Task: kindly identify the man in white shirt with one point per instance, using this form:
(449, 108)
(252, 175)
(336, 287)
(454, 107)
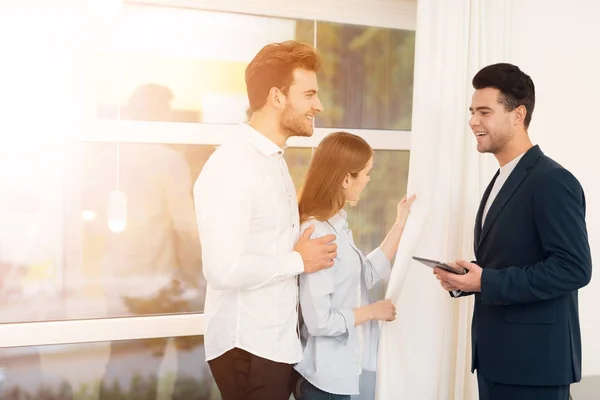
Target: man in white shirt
(249, 229)
(532, 253)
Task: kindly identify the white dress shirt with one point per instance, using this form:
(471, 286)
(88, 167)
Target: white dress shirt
(248, 223)
(503, 175)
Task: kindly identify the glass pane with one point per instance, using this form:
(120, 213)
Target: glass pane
(366, 81)
(376, 212)
(298, 160)
(191, 62)
(163, 368)
(59, 256)
(61, 259)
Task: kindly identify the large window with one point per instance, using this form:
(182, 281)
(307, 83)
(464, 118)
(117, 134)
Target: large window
(367, 76)
(100, 261)
(190, 63)
(62, 260)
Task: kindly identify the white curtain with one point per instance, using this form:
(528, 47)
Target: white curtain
(425, 354)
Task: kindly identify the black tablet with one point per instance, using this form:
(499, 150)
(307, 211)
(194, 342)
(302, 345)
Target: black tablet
(439, 264)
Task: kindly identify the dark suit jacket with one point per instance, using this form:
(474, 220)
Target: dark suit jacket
(535, 255)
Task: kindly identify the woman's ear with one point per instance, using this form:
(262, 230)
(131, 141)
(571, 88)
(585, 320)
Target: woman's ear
(347, 181)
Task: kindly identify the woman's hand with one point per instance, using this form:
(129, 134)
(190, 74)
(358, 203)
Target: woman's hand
(403, 209)
(383, 310)
(389, 246)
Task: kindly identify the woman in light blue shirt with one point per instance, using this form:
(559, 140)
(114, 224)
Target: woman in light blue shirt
(339, 328)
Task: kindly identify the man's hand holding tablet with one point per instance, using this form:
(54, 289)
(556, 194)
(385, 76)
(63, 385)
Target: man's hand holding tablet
(439, 264)
(462, 275)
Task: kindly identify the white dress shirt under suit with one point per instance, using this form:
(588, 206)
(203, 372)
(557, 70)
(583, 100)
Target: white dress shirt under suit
(503, 174)
(248, 223)
(335, 351)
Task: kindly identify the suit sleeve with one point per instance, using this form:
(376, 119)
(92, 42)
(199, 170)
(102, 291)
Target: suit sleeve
(559, 214)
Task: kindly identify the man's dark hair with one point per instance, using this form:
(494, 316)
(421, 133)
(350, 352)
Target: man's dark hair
(516, 87)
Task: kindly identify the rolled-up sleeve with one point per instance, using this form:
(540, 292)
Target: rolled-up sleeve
(316, 290)
(320, 317)
(376, 267)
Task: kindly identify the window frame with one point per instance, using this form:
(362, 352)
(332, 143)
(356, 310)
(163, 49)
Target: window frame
(398, 14)
(215, 134)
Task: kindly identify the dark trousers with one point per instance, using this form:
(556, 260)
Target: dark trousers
(489, 390)
(243, 376)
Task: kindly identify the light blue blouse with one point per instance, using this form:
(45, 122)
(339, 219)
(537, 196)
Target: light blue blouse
(331, 349)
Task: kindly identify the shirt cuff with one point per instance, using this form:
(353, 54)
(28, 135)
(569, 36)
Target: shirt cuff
(294, 263)
(350, 321)
(380, 262)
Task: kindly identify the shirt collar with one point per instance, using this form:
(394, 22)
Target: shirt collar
(339, 220)
(260, 141)
(508, 167)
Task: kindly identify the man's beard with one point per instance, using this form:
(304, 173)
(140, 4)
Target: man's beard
(295, 124)
(498, 143)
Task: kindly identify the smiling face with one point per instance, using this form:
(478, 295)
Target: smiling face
(491, 123)
(302, 104)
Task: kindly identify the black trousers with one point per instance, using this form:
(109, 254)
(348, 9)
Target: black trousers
(243, 376)
(489, 390)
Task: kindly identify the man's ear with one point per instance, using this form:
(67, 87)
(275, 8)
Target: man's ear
(276, 98)
(347, 182)
(520, 114)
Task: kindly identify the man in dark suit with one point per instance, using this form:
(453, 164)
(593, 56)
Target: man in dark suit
(532, 253)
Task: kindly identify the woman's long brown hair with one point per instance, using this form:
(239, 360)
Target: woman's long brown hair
(338, 154)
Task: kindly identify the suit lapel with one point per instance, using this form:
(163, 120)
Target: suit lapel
(508, 189)
(484, 199)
